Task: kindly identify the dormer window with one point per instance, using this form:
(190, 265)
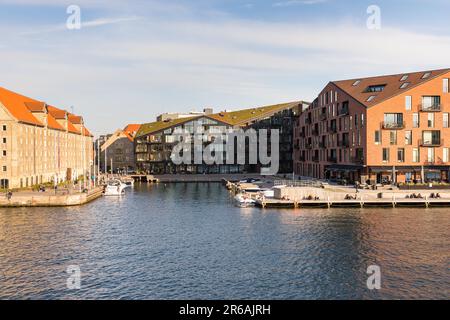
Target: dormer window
(426, 75)
(357, 82)
(404, 78)
(371, 98)
(376, 88)
(404, 85)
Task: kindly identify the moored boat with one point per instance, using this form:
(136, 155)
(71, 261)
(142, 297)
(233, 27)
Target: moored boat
(115, 188)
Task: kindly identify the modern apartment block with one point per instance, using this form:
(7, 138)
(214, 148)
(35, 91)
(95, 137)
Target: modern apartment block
(155, 141)
(385, 129)
(40, 143)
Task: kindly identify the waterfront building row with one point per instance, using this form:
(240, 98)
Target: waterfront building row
(385, 129)
(155, 141)
(40, 143)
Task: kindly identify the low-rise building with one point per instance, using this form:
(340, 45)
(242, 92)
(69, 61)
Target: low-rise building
(40, 143)
(385, 129)
(117, 150)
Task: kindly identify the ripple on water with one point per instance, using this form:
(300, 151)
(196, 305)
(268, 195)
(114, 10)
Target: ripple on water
(187, 241)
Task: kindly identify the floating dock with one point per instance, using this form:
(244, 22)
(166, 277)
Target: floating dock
(383, 203)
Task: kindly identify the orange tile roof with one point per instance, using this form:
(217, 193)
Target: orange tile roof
(86, 132)
(72, 128)
(52, 123)
(57, 113)
(392, 85)
(15, 104)
(35, 106)
(132, 129)
(75, 119)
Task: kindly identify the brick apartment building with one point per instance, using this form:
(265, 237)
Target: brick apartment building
(385, 129)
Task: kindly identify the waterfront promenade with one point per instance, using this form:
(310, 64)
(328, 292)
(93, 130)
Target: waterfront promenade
(50, 198)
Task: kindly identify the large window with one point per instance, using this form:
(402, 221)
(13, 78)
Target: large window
(393, 137)
(377, 137)
(430, 155)
(445, 120)
(431, 120)
(401, 155)
(408, 103)
(385, 154)
(393, 120)
(431, 138)
(416, 155)
(408, 137)
(431, 103)
(416, 120)
(445, 154)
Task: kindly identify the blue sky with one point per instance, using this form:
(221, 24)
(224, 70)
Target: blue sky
(133, 60)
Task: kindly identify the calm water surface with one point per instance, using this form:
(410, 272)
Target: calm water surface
(187, 241)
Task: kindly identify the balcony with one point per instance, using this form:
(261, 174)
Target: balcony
(432, 108)
(332, 159)
(393, 125)
(343, 144)
(344, 112)
(315, 132)
(323, 117)
(322, 145)
(302, 134)
(308, 121)
(332, 129)
(431, 143)
(357, 160)
(309, 146)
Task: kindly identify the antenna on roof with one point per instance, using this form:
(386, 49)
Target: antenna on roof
(71, 109)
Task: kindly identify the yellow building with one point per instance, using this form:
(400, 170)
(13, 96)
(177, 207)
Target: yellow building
(40, 143)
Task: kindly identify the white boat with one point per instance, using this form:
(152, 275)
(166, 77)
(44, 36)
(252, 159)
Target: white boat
(129, 182)
(268, 193)
(244, 201)
(115, 188)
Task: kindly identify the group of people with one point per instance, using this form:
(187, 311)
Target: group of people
(310, 198)
(349, 197)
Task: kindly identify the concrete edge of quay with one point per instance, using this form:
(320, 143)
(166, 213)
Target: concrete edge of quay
(43, 200)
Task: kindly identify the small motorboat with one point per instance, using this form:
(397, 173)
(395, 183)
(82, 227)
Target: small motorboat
(128, 181)
(115, 188)
(244, 201)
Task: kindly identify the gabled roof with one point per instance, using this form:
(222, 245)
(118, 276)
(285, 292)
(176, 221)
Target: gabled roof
(242, 117)
(154, 127)
(132, 129)
(357, 88)
(57, 113)
(52, 123)
(233, 118)
(15, 104)
(35, 106)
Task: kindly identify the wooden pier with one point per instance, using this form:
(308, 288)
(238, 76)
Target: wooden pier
(380, 203)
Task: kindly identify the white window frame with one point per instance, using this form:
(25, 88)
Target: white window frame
(445, 154)
(445, 85)
(408, 103)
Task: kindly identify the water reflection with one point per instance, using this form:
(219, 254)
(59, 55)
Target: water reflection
(188, 241)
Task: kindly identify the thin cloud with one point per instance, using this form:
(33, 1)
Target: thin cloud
(88, 24)
(298, 2)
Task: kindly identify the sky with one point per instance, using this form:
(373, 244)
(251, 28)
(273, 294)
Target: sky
(133, 60)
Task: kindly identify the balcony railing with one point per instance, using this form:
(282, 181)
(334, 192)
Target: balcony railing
(343, 144)
(433, 108)
(315, 132)
(315, 159)
(393, 125)
(322, 145)
(332, 129)
(309, 146)
(344, 112)
(308, 120)
(357, 160)
(432, 143)
(332, 159)
(302, 134)
(323, 116)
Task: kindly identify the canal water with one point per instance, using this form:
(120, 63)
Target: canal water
(188, 241)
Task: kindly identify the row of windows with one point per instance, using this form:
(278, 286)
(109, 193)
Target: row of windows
(430, 137)
(415, 156)
(395, 120)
